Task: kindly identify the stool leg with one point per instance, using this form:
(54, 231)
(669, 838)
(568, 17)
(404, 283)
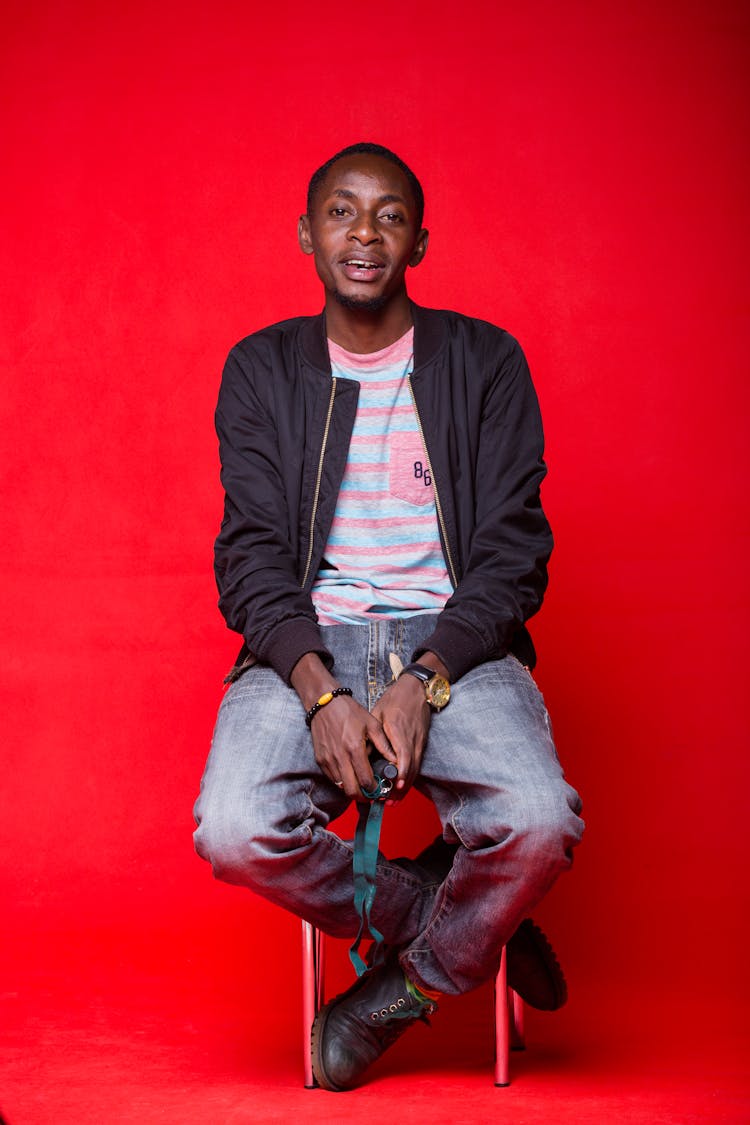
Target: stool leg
(502, 1036)
(313, 982)
(320, 969)
(517, 1034)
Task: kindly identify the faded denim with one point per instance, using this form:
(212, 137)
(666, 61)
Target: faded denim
(490, 768)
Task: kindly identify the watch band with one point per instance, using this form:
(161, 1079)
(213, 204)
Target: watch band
(421, 671)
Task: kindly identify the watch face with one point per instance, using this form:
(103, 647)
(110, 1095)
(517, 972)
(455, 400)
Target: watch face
(438, 692)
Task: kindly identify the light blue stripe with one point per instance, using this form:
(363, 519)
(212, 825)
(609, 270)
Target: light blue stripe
(412, 518)
(375, 510)
(379, 374)
(370, 455)
(373, 427)
(385, 395)
(362, 565)
(366, 484)
(368, 594)
(387, 537)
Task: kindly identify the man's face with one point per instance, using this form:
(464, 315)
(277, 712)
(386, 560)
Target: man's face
(363, 231)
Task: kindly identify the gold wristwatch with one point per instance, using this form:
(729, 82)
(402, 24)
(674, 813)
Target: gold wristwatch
(437, 690)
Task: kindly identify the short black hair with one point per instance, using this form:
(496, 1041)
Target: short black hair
(368, 148)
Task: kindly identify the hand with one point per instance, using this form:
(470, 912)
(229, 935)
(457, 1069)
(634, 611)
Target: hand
(405, 716)
(343, 734)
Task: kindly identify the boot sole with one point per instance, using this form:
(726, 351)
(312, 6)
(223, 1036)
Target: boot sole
(545, 987)
(316, 1046)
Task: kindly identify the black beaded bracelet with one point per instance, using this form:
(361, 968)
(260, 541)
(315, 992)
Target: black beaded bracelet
(325, 699)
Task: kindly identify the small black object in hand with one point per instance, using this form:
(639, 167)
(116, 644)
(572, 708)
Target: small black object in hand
(385, 775)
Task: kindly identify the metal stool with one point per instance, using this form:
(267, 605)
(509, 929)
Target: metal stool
(509, 1031)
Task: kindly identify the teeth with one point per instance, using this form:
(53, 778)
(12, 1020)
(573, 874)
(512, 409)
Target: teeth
(362, 265)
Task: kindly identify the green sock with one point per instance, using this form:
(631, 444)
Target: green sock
(418, 994)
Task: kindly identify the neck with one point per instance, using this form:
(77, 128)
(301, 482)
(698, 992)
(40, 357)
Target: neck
(364, 330)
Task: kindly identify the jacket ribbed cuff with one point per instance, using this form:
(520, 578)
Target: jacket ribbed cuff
(289, 642)
(458, 645)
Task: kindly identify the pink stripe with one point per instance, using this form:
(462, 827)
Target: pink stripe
(334, 599)
(422, 547)
(354, 610)
(424, 571)
(384, 411)
(355, 584)
(382, 385)
(398, 351)
(355, 479)
(387, 521)
(356, 495)
(352, 603)
(438, 572)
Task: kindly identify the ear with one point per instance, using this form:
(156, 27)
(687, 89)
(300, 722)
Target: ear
(303, 235)
(420, 248)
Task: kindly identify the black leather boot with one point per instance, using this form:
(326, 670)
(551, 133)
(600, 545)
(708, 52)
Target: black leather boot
(355, 1028)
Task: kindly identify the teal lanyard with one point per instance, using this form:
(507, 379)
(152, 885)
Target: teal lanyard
(365, 861)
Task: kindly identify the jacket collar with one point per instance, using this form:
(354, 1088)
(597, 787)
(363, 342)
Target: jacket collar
(430, 334)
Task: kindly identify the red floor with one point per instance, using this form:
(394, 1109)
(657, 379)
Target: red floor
(140, 1028)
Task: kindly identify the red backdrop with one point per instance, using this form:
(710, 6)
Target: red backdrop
(587, 189)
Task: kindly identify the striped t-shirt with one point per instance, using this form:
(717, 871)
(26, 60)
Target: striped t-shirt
(383, 557)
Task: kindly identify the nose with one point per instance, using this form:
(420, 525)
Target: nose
(364, 229)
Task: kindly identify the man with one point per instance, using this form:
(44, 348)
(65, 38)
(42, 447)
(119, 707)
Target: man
(382, 465)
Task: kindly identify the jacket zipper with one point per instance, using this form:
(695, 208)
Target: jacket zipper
(438, 505)
(318, 480)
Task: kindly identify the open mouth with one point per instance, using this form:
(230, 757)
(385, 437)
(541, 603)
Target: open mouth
(362, 264)
(362, 269)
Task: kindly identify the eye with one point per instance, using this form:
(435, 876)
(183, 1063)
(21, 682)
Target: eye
(393, 217)
(338, 212)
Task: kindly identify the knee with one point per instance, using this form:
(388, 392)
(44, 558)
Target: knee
(245, 851)
(548, 829)
(228, 845)
(539, 825)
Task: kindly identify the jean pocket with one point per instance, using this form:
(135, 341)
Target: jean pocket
(409, 472)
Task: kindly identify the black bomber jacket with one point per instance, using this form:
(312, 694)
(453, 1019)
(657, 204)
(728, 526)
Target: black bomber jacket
(284, 426)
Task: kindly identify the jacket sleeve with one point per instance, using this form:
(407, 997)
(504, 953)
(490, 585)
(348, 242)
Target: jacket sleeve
(504, 576)
(260, 594)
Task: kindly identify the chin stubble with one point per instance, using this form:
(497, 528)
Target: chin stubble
(361, 304)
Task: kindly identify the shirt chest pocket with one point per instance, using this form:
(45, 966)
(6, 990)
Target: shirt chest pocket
(409, 473)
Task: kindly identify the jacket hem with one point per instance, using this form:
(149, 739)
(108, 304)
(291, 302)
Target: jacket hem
(289, 642)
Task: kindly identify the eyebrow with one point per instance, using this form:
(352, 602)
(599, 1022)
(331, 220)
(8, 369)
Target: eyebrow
(389, 198)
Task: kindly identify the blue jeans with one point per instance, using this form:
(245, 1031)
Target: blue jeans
(490, 768)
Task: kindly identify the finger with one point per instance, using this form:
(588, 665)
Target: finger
(379, 739)
(410, 763)
(344, 776)
(363, 767)
(350, 764)
(333, 764)
(401, 754)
